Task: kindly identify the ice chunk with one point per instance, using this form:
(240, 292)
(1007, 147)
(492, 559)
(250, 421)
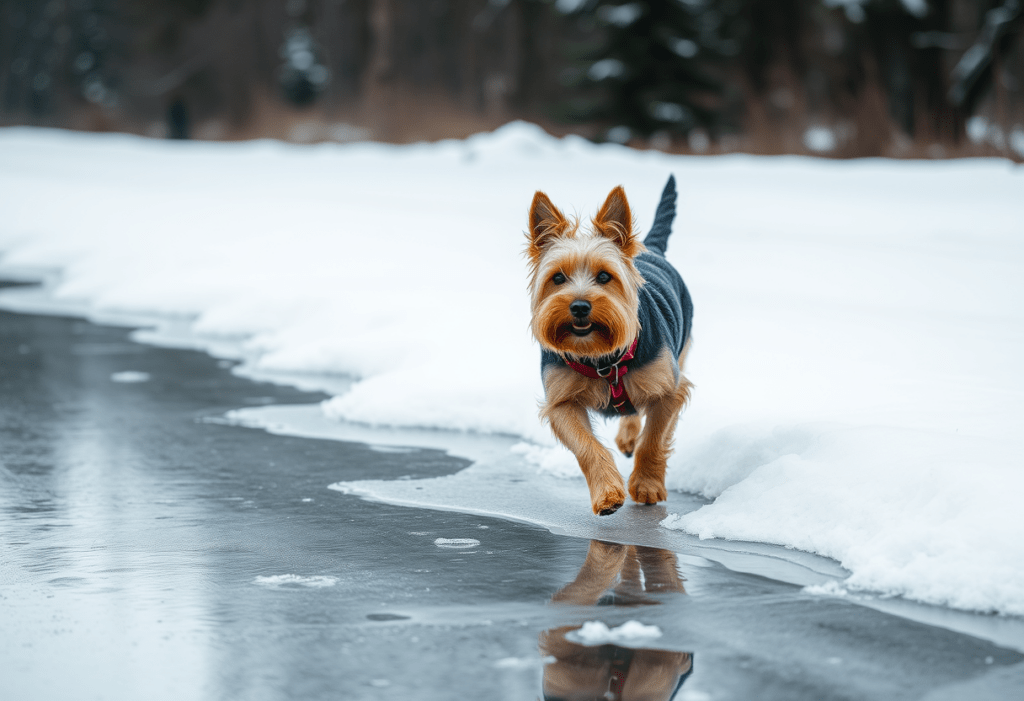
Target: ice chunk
(630, 632)
(456, 542)
(129, 376)
(827, 589)
(295, 580)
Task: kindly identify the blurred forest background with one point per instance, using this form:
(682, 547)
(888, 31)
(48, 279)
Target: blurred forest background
(843, 78)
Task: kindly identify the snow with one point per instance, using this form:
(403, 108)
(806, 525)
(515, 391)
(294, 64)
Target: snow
(457, 543)
(826, 589)
(130, 376)
(630, 632)
(820, 139)
(918, 8)
(854, 9)
(516, 663)
(1017, 141)
(913, 512)
(296, 580)
(857, 334)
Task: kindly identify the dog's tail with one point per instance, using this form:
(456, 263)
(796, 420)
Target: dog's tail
(657, 239)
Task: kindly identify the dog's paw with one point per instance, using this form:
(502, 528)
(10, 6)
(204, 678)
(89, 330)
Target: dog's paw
(609, 501)
(647, 490)
(629, 432)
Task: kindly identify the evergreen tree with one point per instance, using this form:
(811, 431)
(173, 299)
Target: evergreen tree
(646, 70)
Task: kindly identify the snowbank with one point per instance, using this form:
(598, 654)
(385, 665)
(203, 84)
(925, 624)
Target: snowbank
(858, 325)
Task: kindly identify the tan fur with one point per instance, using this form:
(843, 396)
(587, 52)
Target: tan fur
(557, 246)
(629, 431)
(599, 572)
(613, 564)
(615, 221)
(633, 571)
(647, 482)
(580, 258)
(570, 423)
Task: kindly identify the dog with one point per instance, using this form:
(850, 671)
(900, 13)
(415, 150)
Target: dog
(613, 320)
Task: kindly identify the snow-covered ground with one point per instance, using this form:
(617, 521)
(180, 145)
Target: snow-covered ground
(858, 327)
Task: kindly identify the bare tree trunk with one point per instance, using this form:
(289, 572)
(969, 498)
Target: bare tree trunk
(379, 89)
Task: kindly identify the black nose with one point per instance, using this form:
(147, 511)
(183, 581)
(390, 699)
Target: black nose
(580, 309)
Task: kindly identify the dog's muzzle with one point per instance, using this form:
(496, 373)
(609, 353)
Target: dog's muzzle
(580, 310)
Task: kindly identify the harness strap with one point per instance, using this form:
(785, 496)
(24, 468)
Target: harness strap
(618, 671)
(613, 374)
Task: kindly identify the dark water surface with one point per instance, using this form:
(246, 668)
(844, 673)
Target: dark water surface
(147, 552)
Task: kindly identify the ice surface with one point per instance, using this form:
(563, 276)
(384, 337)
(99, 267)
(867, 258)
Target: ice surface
(857, 334)
(499, 483)
(630, 632)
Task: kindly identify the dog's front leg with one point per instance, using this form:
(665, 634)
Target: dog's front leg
(599, 572)
(571, 425)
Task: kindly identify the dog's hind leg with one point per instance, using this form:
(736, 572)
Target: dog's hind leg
(647, 483)
(629, 431)
(661, 569)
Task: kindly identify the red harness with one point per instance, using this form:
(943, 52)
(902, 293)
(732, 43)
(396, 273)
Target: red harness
(613, 374)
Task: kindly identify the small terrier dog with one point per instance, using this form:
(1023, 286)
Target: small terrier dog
(613, 320)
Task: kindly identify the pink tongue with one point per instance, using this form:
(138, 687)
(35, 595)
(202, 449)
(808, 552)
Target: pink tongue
(575, 325)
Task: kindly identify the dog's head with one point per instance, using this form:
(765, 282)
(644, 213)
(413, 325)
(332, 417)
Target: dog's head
(583, 284)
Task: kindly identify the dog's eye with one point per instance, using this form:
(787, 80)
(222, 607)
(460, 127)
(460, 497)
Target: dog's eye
(603, 277)
(558, 278)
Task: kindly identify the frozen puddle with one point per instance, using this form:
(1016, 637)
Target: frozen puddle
(503, 484)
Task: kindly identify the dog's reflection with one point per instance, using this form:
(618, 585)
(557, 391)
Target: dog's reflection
(621, 575)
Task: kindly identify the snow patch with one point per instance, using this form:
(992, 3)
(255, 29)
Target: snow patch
(295, 580)
(820, 139)
(549, 460)
(629, 633)
(130, 376)
(457, 543)
(517, 663)
(827, 589)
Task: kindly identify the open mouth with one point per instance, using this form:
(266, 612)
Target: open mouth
(580, 328)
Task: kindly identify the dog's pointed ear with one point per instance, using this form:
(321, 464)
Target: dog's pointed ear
(546, 224)
(615, 221)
